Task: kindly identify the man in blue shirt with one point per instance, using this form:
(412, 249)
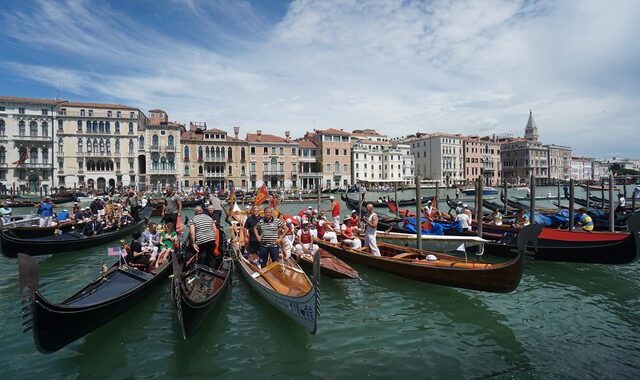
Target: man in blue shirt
(62, 216)
(45, 212)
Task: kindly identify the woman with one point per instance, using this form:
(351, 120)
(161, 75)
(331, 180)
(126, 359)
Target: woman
(168, 242)
(135, 254)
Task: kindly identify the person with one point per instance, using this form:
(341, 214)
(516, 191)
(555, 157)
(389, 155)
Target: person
(371, 223)
(335, 212)
(270, 232)
(5, 213)
(168, 241)
(203, 237)
(216, 205)
(584, 220)
(522, 219)
(460, 207)
(253, 245)
(45, 212)
(151, 239)
(92, 228)
(289, 238)
(172, 207)
(236, 236)
(62, 216)
(97, 206)
(217, 249)
(496, 218)
(457, 193)
(350, 239)
(304, 240)
(125, 219)
(133, 202)
(355, 219)
(464, 219)
(622, 204)
(135, 254)
(325, 231)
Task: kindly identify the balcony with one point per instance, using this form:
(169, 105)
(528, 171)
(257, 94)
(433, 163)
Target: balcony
(215, 159)
(170, 148)
(36, 165)
(294, 174)
(32, 138)
(169, 171)
(337, 174)
(272, 172)
(214, 175)
(154, 148)
(97, 154)
(311, 174)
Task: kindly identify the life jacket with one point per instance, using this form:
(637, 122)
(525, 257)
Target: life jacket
(354, 221)
(305, 237)
(348, 232)
(320, 229)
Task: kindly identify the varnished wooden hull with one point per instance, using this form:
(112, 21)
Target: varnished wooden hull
(330, 266)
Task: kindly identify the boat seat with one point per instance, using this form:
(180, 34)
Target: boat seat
(402, 255)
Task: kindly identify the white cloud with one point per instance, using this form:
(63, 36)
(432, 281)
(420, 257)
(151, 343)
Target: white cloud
(399, 67)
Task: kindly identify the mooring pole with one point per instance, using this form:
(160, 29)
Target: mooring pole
(601, 192)
(479, 206)
(559, 206)
(612, 216)
(506, 197)
(418, 214)
(588, 195)
(395, 199)
(532, 200)
(571, 204)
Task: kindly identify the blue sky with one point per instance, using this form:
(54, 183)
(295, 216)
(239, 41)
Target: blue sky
(473, 67)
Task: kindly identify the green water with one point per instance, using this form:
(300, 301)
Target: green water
(564, 321)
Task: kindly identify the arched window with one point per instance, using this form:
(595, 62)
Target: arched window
(79, 125)
(79, 144)
(89, 145)
(186, 153)
(110, 165)
(107, 126)
(274, 164)
(186, 169)
(336, 167)
(155, 161)
(242, 170)
(3, 155)
(45, 155)
(163, 163)
(200, 170)
(207, 154)
(60, 144)
(2, 128)
(229, 154)
(117, 127)
(33, 154)
(130, 146)
(95, 145)
(88, 126)
(101, 127)
(171, 157)
(95, 127)
(108, 145)
(199, 153)
(33, 129)
(45, 129)
(141, 142)
(130, 127)
(101, 145)
(170, 141)
(242, 154)
(117, 146)
(230, 170)
(155, 141)
(21, 128)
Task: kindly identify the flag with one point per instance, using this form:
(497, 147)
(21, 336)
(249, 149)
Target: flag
(23, 157)
(261, 196)
(116, 251)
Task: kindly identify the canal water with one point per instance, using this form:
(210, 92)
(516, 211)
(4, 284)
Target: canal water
(563, 321)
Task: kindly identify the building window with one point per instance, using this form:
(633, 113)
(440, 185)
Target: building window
(2, 128)
(186, 153)
(344, 168)
(45, 129)
(170, 141)
(109, 113)
(60, 144)
(95, 127)
(130, 146)
(80, 145)
(131, 115)
(33, 155)
(117, 127)
(186, 170)
(281, 151)
(253, 150)
(328, 167)
(265, 151)
(337, 151)
(155, 141)
(328, 151)
(33, 129)
(3, 155)
(130, 127)
(45, 112)
(21, 111)
(21, 128)
(90, 113)
(45, 155)
(60, 124)
(117, 146)
(107, 127)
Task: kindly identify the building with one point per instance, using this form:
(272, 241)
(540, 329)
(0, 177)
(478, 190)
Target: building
(214, 159)
(26, 143)
(334, 148)
(273, 160)
(310, 170)
(377, 161)
(581, 168)
(559, 161)
(482, 158)
(600, 169)
(98, 144)
(438, 156)
(159, 159)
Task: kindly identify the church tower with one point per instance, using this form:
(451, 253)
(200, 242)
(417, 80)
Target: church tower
(531, 131)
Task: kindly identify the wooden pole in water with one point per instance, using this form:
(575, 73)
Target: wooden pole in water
(437, 193)
(601, 191)
(506, 204)
(418, 214)
(571, 204)
(395, 199)
(532, 200)
(612, 215)
(588, 194)
(559, 207)
(319, 195)
(479, 206)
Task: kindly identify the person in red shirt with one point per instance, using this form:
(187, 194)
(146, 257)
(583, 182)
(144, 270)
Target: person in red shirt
(350, 239)
(304, 240)
(355, 219)
(335, 212)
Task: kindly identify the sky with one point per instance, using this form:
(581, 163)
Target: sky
(399, 67)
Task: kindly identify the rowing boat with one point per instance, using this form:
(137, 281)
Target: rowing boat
(111, 294)
(286, 287)
(197, 290)
(330, 265)
(436, 268)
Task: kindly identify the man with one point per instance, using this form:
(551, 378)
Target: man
(62, 216)
(125, 219)
(45, 211)
(496, 217)
(304, 240)
(172, 206)
(335, 212)
(523, 219)
(133, 202)
(355, 219)
(325, 231)
(93, 227)
(270, 232)
(203, 237)
(97, 206)
(216, 205)
(371, 222)
(584, 220)
(350, 239)
(5, 213)
(464, 219)
(253, 246)
(622, 204)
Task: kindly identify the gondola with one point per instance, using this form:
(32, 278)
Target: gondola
(330, 265)
(286, 287)
(197, 290)
(485, 191)
(18, 204)
(25, 232)
(436, 268)
(14, 221)
(582, 246)
(63, 198)
(192, 202)
(67, 241)
(111, 294)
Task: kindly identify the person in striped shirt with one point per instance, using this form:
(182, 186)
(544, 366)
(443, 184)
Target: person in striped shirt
(203, 236)
(269, 232)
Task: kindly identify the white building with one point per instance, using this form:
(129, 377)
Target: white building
(26, 143)
(377, 161)
(438, 156)
(581, 168)
(159, 158)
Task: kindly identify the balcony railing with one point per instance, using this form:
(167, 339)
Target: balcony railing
(154, 148)
(273, 172)
(32, 138)
(170, 148)
(214, 175)
(310, 174)
(337, 174)
(163, 171)
(37, 165)
(215, 159)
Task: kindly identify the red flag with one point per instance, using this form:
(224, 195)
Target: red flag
(116, 251)
(393, 207)
(262, 195)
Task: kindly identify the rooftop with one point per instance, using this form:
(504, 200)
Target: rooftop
(15, 99)
(332, 131)
(265, 138)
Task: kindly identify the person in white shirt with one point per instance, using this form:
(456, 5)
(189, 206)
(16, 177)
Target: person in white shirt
(622, 204)
(465, 220)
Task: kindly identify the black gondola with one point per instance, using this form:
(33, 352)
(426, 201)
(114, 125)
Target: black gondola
(56, 325)
(196, 291)
(193, 203)
(11, 245)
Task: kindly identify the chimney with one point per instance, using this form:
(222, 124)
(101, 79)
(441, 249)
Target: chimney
(288, 135)
(236, 131)
(259, 133)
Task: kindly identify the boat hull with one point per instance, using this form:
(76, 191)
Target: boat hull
(330, 266)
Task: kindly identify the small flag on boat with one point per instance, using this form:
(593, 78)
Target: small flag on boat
(116, 251)
(462, 248)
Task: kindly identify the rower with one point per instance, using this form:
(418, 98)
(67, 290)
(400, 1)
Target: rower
(496, 218)
(464, 219)
(289, 238)
(585, 220)
(522, 219)
(350, 239)
(622, 204)
(371, 222)
(45, 211)
(5, 213)
(304, 240)
(355, 219)
(325, 231)
(335, 212)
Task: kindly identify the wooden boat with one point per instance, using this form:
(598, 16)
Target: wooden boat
(63, 197)
(14, 221)
(17, 204)
(286, 287)
(193, 202)
(581, 246)
(547, 196)
(445, 238)
(330, 265)
(444, 270)
(111, 294)
(158, 208)
(485, 191)
(599, 188)
(197, 290)
(66, 241)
